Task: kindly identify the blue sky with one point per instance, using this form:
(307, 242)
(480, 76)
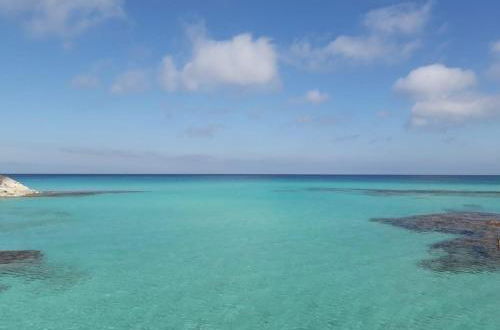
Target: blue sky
(110, 86)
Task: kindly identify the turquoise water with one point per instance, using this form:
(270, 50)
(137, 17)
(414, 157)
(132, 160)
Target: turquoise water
(238, 252)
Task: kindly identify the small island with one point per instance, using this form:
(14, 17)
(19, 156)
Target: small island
(11, 188)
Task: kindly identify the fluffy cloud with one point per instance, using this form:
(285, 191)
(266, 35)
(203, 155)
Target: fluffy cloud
(315, 96)
(130, 81)
(406, 18)
(456, 109)
(361, 48)
(444, 95)
(390, 34)
(354, 48)
(62, 18)
(435, 80)
(240, 61)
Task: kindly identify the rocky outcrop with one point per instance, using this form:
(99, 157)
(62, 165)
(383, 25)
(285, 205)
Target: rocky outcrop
(12, 188)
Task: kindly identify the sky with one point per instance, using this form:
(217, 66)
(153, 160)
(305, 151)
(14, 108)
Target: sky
(227, 86)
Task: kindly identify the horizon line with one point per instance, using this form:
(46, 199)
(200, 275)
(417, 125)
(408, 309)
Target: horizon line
(256, 174)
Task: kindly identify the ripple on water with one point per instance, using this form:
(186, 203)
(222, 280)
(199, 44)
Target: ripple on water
(21, 218)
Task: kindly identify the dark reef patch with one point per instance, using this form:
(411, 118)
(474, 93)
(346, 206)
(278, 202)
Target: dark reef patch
(412, 192)
(476, 249)
(80, 193)
(9, 257)
(30, 266)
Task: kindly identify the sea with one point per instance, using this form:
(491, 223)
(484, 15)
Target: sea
(147, 252)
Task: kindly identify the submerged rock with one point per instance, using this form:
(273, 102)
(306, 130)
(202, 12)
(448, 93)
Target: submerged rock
(477, 248)
(412, 192)
(81, 193)
(12, 188)
(8, 257)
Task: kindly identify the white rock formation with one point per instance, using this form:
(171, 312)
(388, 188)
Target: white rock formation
(12, 188)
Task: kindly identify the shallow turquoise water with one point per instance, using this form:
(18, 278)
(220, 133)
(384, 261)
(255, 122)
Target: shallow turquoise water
(238, 252)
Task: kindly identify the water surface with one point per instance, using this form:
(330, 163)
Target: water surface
(240, 252)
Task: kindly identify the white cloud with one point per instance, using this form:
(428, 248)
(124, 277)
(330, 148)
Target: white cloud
(445, 95)
(455, 109)
(240, 61)
(391, 34)
(169, 76)
(304, 55)
(62, 18)
(361, 48)
(406, 18)
(130, 81)
(85, 81)
(316, 97)
(435, 80)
